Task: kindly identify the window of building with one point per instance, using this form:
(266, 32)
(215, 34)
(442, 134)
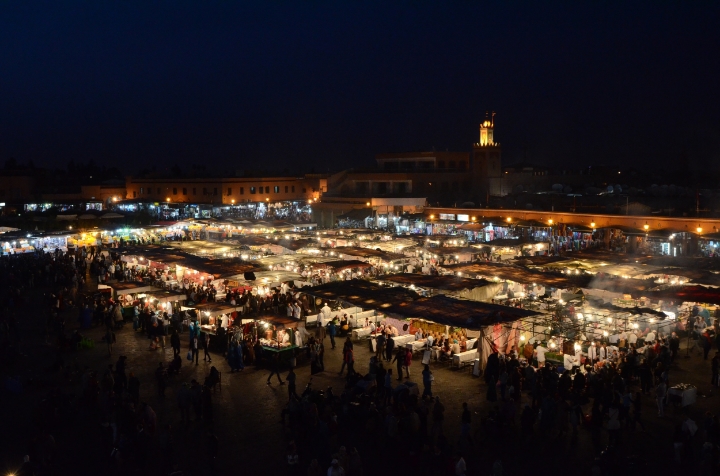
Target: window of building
(252, 190)
(286, 189)
(382, 187)
(229, 191)
(441, 164)
(451, 164)
(204, 190)
(194, 191)
(141, 190)
(292, 189)
(267, 189)
(158, 191)
(276, 189)
(174, 190)
(134, 194)
(215, 191)
(184, 191)
(242, 190)
(304, 190)
(462, 165)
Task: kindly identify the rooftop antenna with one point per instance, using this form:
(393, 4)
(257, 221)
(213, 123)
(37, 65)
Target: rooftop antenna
(492, 120)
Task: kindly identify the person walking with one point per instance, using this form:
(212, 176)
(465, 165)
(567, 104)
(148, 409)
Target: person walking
(389, 348)
(332, 332)
(351, 362)
(407, 361)
(133, 387)
(206, 346)
(660, 394)
(427, 382)
(160, 378)
(291, 378)
(380, 346)
(399, 361)
(175, 342)
(109, 341)
(275, 369)
(438, 418)
(194, 349)
(637, 411)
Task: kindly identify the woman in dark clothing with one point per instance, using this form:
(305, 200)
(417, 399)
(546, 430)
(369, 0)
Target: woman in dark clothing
(175, 342)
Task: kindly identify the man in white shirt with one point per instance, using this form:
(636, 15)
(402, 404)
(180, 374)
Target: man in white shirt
(602, 352)
(592, 352)
(650, 337)
(540, 351)
(632, 338)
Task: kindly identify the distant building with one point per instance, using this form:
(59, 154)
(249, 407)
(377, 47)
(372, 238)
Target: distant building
(441, 177)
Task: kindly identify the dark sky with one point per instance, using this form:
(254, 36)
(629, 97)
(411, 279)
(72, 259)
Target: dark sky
(273, 84)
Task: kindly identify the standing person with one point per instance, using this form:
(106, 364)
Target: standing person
(438, 418)
(387, 388)
(335, 469)
(206, 346)
(184, 400)
(350, 359)
(427, 381)
(120, 377)
(660, 394)
(291, 378)
(637, 411)
(707, 344)
(465, 421)
(275, 369)
(175, 342)
(332, 332)
(164, 327)
(399, 360)
(380, 346)
(674, 345)
(109, 340)
(194, 349)
(407, 362)
(160, 378)
(389, 348)
(133, 387)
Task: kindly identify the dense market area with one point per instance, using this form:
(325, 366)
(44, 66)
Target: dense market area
(529, 332)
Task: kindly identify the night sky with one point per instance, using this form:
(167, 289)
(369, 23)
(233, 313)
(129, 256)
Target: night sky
(294, 85)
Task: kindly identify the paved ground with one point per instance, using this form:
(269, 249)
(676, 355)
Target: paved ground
(247, 415)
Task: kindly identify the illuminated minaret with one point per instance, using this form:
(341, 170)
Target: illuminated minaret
(486, 162)
(486, 131)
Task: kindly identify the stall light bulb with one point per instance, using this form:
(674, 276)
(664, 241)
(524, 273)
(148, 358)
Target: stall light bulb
(552, 345)
(577, 346)
(652, 320)
(609, 319)
(605, 333)
(522, 338)
(580, 316)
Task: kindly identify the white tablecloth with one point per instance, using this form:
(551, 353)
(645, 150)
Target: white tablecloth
(358, 333)
(402, 340)
(687, 396)
(464, 357)
(416, 345)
